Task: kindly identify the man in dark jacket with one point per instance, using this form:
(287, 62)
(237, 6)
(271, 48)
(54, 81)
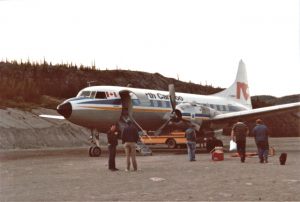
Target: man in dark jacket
(112, 139)
(238, 134)
(130, 137)
(261, 133)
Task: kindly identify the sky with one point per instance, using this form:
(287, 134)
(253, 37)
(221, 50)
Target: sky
(201, 41)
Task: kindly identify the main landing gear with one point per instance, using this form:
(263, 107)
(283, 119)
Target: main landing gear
(207, 138)
(94, 150)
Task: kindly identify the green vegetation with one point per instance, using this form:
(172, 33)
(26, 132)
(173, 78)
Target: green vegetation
(24, 84)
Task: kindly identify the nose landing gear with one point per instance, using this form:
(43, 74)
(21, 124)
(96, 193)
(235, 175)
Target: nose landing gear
(94, 150)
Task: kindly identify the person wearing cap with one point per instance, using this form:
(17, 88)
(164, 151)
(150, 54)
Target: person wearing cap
(112, 139)
(238, 134)
(261, 133)
(130, 137)
(190, 135)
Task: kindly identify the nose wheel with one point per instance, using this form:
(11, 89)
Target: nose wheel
(94, 151)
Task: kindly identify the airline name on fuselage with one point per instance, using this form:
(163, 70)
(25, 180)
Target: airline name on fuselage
(159, 96)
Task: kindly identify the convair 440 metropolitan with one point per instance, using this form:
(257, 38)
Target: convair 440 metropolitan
(98, 107)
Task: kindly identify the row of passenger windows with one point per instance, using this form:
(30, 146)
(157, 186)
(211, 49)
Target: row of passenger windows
(158, 103)
(166, 104)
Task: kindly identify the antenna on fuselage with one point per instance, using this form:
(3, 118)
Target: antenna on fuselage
(90, 82)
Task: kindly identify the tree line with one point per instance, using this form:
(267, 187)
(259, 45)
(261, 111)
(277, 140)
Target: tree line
(29, 81)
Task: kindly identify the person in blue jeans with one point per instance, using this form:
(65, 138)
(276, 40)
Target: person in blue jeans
(190, 135)
(261, 135)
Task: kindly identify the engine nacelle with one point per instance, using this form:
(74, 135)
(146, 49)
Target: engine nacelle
(193, 110)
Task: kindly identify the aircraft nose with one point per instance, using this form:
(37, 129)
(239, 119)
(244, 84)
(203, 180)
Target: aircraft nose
(65, 109)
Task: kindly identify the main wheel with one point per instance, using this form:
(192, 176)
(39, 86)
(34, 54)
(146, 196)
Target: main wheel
(90, 152)
(171, 143)
(96, 151)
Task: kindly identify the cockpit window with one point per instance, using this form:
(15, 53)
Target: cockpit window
(100, 95)
(85, 94)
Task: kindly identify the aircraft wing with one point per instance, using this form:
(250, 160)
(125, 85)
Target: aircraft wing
(253, 114)
(52, 116)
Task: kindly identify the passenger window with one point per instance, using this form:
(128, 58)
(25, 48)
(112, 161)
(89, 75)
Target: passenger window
(151, 103)
(223, 108)
(159, 103)
(100, 95)
(93, 94)
(136, 102)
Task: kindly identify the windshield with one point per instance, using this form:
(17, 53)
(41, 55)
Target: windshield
(84, 94)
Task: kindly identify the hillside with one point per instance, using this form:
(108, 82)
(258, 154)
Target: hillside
(29, 82)
(45, 85)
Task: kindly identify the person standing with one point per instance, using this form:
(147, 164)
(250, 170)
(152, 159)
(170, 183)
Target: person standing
(112, 139)
(190, 135)
(130, 137)
(238, 134)
(261, 133)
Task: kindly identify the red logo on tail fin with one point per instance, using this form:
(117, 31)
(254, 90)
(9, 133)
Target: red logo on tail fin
(241, 87)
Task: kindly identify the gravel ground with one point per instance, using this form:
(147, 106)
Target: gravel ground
(70, 175)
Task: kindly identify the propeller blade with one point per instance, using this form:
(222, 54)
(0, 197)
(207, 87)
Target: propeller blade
(160, 129)
(172, 96)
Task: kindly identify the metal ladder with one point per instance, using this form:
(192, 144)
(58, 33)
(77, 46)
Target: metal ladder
(143, 149)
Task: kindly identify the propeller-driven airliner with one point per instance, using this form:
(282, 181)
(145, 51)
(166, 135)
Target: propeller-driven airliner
(98, 107)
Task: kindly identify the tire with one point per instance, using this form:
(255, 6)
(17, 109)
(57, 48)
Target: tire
(90, 152)
(171, 143)
(96, 151)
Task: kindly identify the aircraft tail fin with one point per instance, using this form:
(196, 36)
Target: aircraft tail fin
(239, 90)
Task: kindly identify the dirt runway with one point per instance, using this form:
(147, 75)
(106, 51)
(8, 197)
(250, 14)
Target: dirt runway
(70, 175)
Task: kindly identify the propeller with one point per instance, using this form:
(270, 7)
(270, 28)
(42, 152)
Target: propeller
(175, 115)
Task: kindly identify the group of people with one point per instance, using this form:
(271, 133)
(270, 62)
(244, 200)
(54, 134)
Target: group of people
(130, 137)
(239, 133)
(260, 133)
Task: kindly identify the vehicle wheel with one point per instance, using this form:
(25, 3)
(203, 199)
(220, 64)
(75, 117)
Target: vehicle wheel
(90, 152)
(96, 151)
(171, 143)
(210, 145)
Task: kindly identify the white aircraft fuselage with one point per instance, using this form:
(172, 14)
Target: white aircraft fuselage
(98, 107)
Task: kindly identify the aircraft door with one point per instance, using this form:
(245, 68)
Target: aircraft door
(127, 98)
(126, 104)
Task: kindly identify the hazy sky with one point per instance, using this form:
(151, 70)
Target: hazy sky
(200, 41)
